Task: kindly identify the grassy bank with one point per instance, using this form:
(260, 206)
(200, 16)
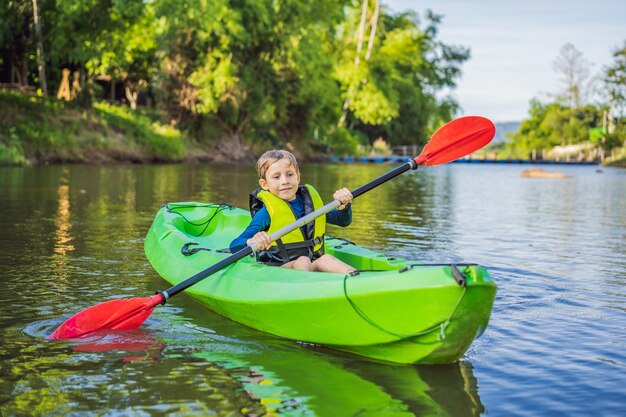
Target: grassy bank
(37, 130)
(34, 130)
(619, 162)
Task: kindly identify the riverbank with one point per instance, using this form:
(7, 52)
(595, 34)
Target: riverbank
(619, 162)
(35, 130)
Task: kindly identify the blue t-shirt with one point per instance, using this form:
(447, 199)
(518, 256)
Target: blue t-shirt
(261, 221)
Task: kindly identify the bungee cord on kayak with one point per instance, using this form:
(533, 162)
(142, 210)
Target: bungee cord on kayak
(187, 248)
(442, 326)
(172, 207)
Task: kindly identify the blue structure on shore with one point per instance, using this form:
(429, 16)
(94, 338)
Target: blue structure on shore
(389, 159)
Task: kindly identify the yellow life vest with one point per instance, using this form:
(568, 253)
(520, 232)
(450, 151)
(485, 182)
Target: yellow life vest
(281, 215)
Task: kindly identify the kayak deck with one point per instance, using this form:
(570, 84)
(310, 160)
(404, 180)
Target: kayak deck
(394, 310)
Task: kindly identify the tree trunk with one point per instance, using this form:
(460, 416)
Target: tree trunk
(40, 57)
(131, 96)
(359, 44)
(575, 69)
(370, 45)
(357, 60)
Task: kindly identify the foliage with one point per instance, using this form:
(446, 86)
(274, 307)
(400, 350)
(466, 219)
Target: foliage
(566, 121)
(17, 48)
(75, 32)
(380, 147)
(12, 153)
(128, 53)
(34, 129)
(343, 142)
(553, 124)
(162, 142)
(615, 85)
(396, 91)
(254, 68)
(259, 71)
(619, 160)
(615, 82)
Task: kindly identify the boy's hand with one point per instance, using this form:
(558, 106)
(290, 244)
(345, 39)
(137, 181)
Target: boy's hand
(344, 196)
(261, 240)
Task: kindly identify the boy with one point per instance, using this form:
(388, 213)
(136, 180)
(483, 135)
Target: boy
(279, 202)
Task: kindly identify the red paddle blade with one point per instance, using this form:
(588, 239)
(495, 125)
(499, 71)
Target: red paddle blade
(123, 314)
(457, 139)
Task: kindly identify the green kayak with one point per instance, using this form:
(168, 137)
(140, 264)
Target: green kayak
(394, 310)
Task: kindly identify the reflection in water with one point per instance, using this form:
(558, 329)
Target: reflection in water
(138, 341)
(449, 390)
(292, 380)
(63, 238)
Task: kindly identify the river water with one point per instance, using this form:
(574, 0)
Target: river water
(72, 237)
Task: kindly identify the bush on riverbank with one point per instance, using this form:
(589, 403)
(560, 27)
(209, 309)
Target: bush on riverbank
(39, 130)
(618, 160)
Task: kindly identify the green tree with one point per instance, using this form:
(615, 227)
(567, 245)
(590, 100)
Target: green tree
(615, 82)
(552, 125)
(257, 67)
(127, 53)
(395, 92)
(16, 41)
(73, 33)
(615, 90)
(567, 120)
(274, 72)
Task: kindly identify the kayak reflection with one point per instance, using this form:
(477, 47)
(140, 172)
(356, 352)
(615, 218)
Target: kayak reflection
(442, 390)
(293, 379)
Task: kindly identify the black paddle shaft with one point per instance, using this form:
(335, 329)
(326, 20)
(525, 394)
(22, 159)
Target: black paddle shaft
(170, 292)
(181, 286)
(410, 164)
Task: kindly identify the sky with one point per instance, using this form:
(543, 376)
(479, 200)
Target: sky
(514, 45)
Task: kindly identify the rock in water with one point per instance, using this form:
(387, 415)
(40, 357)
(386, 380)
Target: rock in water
(541, 173)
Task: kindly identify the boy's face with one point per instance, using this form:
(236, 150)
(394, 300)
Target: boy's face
(281, 179)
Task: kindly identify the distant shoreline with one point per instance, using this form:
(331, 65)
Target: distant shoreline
(384, 159)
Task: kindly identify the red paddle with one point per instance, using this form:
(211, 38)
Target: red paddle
(454, 140)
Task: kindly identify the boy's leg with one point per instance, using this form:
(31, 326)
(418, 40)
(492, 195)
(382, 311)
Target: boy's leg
(302, 263)
(328, 263)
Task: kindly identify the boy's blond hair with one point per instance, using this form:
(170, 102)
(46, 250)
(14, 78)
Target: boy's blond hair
(269, 157)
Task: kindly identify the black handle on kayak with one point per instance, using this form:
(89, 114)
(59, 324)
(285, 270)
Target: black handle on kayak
(458, 276)
(181, 286)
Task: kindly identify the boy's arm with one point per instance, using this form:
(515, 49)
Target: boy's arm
(341, 218)
(260, 221)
